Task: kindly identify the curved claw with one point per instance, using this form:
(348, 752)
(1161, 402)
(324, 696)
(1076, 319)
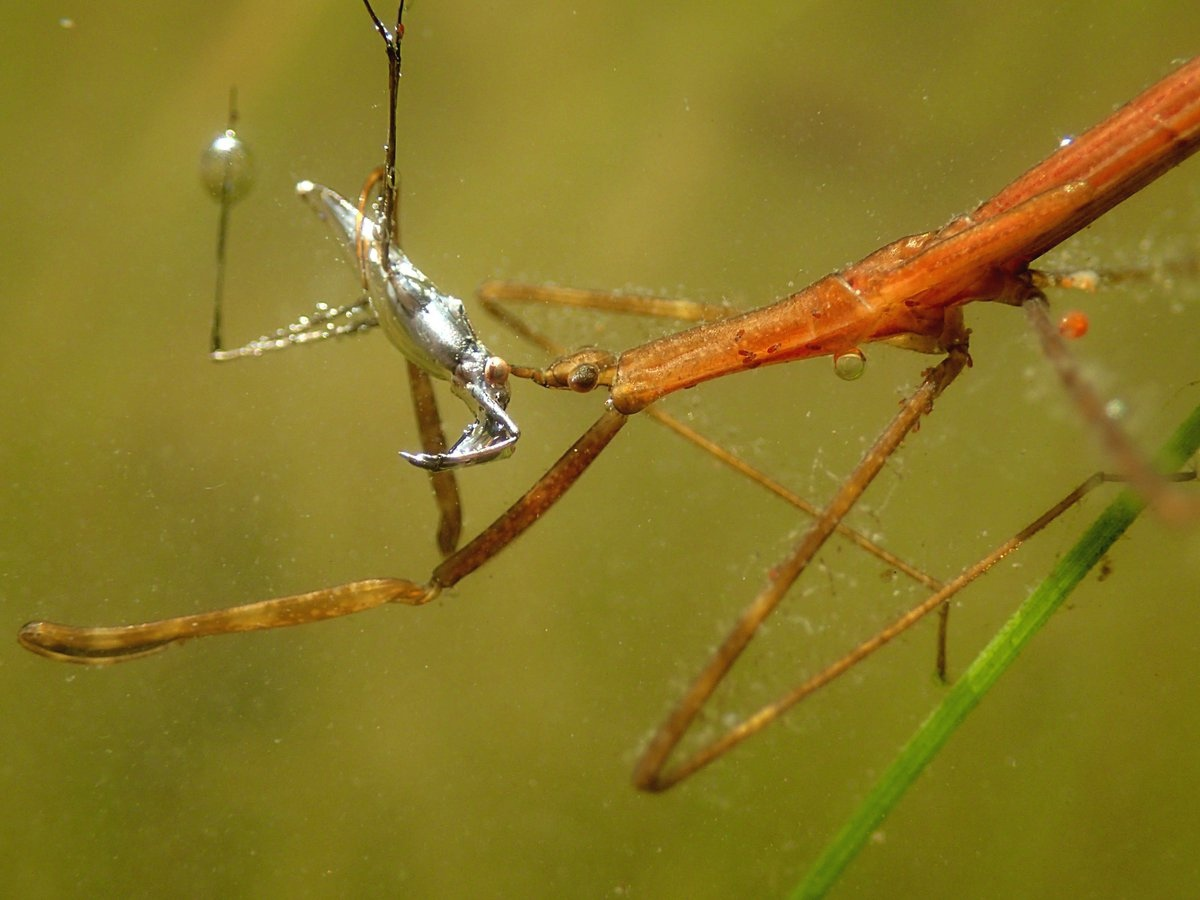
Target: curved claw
(493, 435)
(430, 328)
(475, 446)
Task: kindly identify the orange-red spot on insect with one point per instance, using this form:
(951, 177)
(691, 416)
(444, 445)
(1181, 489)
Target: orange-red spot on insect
(1073, 325)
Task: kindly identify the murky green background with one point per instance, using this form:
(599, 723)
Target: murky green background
(481, 746)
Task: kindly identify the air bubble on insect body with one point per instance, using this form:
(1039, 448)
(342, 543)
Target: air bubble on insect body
(226, 168)
(849, 365)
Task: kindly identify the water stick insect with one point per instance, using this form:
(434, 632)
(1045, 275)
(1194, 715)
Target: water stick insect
(910, 292)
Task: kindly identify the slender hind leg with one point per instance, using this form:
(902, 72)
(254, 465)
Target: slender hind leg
(652, 772)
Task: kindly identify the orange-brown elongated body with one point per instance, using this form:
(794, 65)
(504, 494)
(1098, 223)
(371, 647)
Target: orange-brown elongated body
(902, 291)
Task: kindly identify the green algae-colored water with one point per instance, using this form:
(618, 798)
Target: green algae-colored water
(482, 746)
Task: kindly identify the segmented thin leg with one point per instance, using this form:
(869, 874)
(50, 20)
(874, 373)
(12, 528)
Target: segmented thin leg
(101, 645)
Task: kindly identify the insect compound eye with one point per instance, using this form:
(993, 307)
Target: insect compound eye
(583, 378)
(496, 371)
(226, 168)
(849, 365)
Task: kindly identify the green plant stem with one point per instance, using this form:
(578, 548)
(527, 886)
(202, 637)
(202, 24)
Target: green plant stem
(987, 668)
